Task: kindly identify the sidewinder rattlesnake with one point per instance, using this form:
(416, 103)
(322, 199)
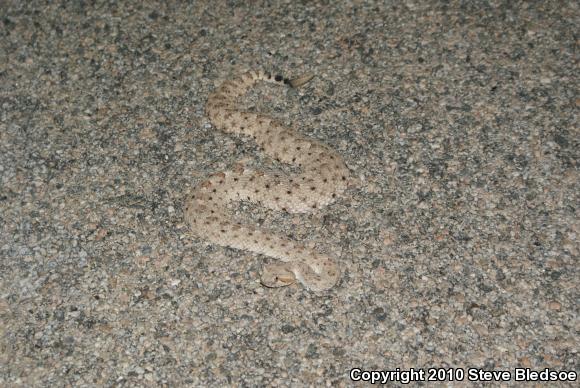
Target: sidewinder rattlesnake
(324, 176)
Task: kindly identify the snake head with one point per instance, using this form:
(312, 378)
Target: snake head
(277, 275)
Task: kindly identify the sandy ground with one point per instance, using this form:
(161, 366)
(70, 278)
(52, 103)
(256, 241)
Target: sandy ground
(458, 242)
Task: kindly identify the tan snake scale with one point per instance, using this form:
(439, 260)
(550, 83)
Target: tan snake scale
(323, 177)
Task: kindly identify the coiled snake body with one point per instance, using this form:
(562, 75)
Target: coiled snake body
(324, 176)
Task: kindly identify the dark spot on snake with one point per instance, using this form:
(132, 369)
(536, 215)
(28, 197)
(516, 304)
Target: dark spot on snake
(278, 78)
